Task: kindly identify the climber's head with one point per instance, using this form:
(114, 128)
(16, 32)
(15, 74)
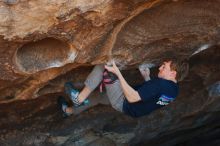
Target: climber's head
(173, 69)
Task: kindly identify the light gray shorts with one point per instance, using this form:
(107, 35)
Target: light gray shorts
(114, 91)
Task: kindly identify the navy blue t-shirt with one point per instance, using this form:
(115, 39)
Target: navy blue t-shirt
(154, 94)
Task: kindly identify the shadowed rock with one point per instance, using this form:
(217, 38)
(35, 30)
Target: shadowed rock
(45, 43)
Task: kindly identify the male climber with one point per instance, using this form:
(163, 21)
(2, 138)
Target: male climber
(135, 102)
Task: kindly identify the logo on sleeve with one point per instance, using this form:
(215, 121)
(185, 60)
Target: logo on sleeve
(164, 100)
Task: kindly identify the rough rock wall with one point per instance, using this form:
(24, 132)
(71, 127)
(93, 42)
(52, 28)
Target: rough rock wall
(193, 119)
(29, 30)
(41, 40)
(46, 43)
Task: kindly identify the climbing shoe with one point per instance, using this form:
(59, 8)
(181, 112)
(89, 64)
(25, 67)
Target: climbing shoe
(73, 94)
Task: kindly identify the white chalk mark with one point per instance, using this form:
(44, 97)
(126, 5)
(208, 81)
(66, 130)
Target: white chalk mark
(203, 47)
(146, 65)
(71, 56)
(55, 63)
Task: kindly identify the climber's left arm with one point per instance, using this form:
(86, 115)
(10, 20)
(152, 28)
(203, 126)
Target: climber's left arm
(130, 94)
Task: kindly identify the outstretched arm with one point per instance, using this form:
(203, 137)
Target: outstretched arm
(130, 94)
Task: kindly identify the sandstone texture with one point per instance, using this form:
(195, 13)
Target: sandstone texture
(45, 43)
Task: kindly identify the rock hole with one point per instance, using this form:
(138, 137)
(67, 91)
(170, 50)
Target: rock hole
(46, 53)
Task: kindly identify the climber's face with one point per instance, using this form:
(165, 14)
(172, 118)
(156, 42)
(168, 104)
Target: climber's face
(166, 72)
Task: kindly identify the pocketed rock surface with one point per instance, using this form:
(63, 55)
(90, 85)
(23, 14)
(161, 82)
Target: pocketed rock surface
(45, 43)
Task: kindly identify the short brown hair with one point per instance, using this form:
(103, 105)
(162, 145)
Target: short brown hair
(180, 66)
